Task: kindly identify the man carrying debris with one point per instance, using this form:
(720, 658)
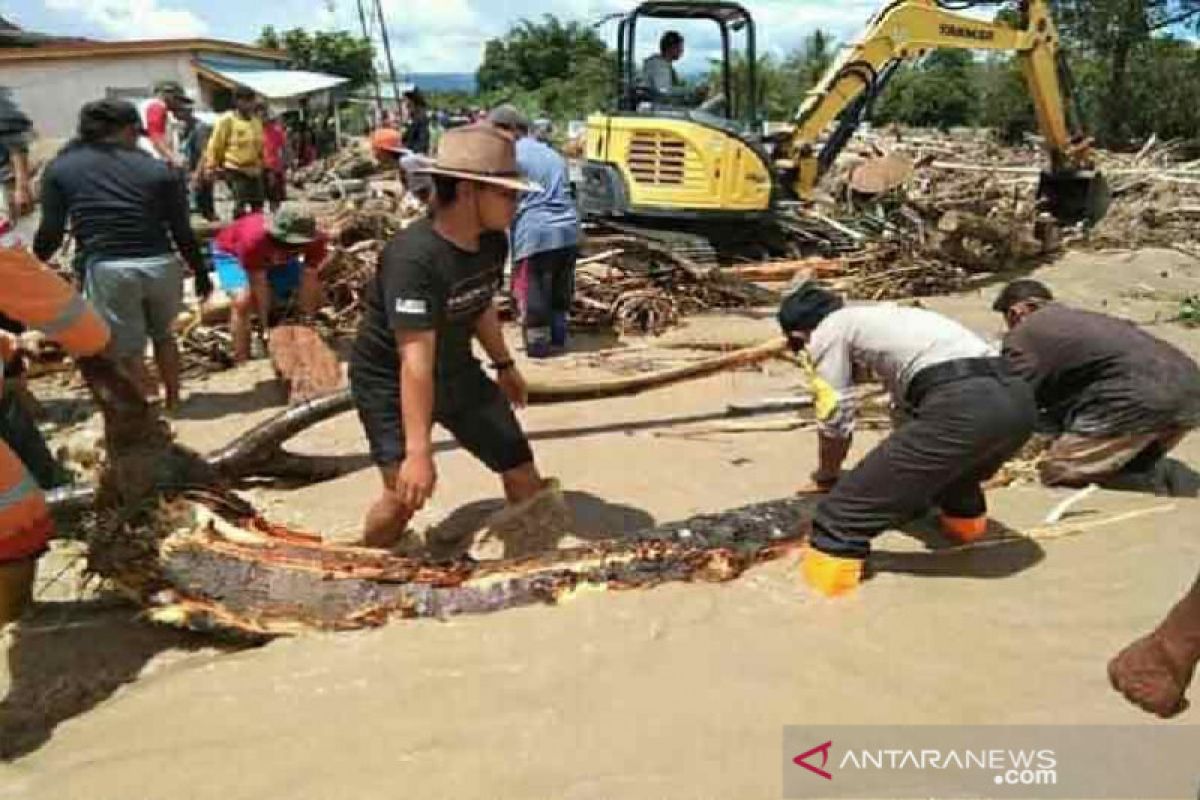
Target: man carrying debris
(235, 153)
(965, 416)
(545, 238)
(1119, 398)
(261, 261)
(412, 363)
(125, 209)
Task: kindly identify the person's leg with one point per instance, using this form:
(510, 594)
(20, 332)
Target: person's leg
(206, 203)
(388, 517)
(1154, 672)
(116, 292)
(562, 294)
(538, 305)
(241, 308)
(20, 432)
(957, 428)
(260, 290)
(163, 292)
(1074, 460)
(520, 288)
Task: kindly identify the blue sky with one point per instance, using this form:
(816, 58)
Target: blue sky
(427, 35)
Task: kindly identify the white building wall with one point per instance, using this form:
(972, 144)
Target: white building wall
(50, 92)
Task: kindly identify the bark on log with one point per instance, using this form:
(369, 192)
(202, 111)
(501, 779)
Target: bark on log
(216, 571)
(304, 362)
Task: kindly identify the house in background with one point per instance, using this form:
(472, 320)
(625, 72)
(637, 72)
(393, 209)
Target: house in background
(51, 78)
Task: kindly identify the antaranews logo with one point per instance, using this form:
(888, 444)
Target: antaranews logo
(802, 760)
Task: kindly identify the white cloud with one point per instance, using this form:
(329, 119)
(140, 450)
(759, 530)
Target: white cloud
(135, 19)
(449, 35)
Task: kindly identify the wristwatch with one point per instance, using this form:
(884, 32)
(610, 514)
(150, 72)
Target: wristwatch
(500, 366)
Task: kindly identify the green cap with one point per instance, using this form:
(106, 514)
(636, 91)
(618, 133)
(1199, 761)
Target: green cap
(293, 226)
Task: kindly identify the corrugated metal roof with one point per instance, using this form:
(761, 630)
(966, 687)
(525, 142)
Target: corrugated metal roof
(276, 84)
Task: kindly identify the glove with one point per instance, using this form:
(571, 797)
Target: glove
(204, 285)
(825, 399)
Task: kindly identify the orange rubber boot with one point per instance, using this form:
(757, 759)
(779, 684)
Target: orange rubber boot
(831, 576)
(964, 529)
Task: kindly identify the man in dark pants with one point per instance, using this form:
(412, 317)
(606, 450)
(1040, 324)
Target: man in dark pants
(965, 417)
(545, 238)
(412, 362)
(1118, 399)
(235, 153)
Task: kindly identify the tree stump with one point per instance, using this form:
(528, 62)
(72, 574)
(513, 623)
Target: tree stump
(306, 365)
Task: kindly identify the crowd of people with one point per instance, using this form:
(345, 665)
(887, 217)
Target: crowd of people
(1114, 399)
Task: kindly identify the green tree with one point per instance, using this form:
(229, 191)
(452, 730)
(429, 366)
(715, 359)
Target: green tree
(1117, 34)
(942, 91)
(334, 52)
(563, 71)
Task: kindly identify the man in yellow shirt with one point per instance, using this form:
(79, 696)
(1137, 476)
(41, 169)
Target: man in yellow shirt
(235, 153)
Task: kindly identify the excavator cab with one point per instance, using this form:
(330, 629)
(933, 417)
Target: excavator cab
(683, 157)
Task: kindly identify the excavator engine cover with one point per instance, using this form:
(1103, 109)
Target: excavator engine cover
(1074, 197)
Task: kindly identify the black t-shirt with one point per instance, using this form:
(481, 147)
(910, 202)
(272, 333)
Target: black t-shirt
(423, 283)
(1096, 375)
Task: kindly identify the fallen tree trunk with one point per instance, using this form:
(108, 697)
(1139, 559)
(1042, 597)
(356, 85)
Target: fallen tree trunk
(208, 563)
(259, 451)
(786, 270)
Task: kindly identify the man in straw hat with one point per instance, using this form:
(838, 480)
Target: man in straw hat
(965, 416)
(412, 362)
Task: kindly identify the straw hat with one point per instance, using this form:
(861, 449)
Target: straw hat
(482, 154)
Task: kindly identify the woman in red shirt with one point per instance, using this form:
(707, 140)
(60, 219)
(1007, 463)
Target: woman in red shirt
(262, 259)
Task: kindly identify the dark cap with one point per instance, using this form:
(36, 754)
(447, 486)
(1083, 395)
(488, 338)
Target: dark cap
(1019, 292)
(805, 306)
(168, 87)
(108, 115)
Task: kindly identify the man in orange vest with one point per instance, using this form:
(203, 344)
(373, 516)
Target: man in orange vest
(35, 296)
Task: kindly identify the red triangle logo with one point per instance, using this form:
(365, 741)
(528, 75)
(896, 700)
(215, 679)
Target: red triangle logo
(802, 760)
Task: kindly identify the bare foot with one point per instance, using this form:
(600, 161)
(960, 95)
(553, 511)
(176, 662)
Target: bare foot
(1153, 673)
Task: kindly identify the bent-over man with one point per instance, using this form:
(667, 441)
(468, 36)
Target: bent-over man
(1118, 398)
(965, 414)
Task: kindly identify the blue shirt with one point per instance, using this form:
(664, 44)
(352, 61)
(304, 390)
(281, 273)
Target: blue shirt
(546, 220)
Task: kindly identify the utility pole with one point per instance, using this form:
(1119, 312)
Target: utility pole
(387, 50)
(366, 32)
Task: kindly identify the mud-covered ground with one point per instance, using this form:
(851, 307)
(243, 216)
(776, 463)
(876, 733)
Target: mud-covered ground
(679, 692)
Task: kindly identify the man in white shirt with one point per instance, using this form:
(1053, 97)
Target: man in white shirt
(964, 417)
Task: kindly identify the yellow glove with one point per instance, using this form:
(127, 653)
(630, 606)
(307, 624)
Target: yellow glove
(825, 398)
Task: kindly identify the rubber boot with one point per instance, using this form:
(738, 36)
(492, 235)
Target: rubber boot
(964, 530)
(16, 588)
(558, 329)
(831, 576)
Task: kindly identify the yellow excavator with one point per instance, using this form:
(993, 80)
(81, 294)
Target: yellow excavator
(653, 164)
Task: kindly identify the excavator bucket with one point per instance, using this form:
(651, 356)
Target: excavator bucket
(1074, 197)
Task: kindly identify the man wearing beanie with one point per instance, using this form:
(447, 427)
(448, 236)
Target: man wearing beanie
(964, 417)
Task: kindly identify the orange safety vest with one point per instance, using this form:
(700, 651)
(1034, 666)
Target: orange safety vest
(32, 293)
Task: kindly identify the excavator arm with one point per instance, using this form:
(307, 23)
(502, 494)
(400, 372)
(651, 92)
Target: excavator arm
(909, 29)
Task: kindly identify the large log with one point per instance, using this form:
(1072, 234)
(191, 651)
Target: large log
(208, 563)
(259, 451)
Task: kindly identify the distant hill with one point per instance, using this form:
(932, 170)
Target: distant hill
(443, 81)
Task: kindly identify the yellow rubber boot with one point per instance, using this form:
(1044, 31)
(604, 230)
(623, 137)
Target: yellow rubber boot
(16, 588)
(829, 575)
(964, 529)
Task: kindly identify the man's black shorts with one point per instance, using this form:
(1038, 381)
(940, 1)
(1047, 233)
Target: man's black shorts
(469, 405)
